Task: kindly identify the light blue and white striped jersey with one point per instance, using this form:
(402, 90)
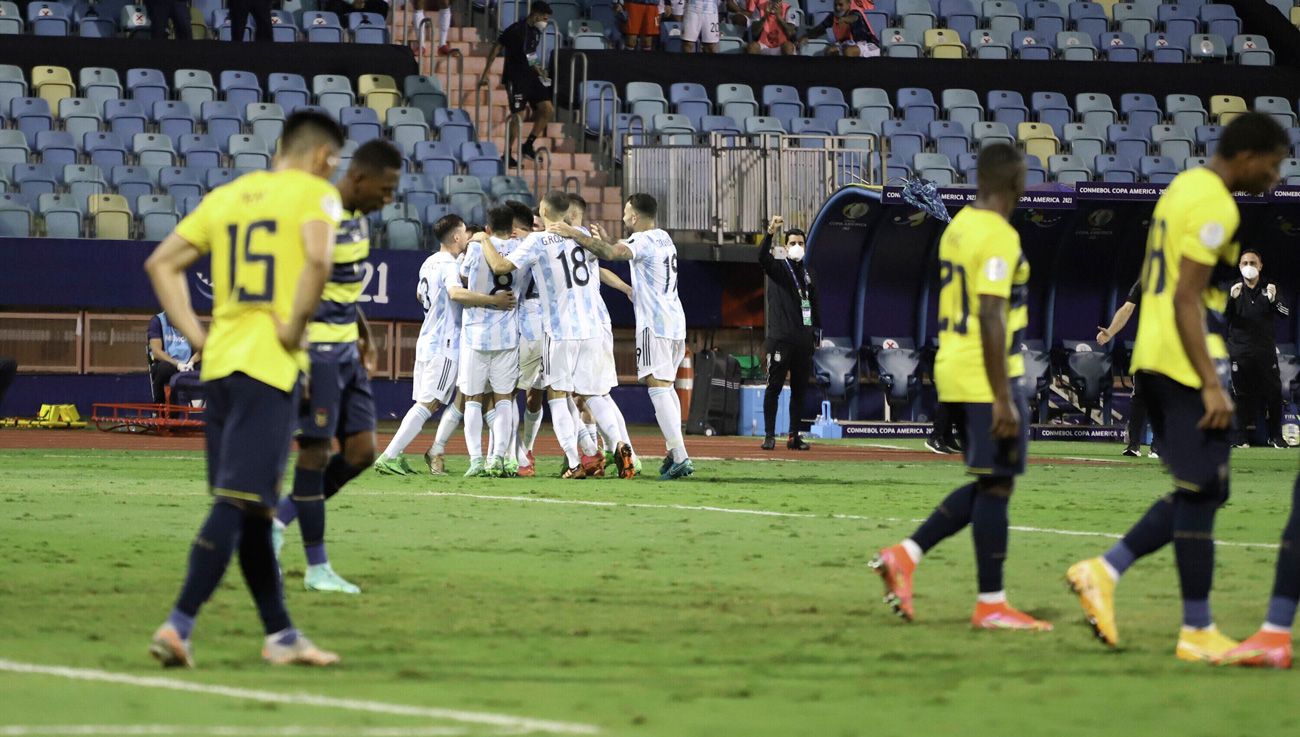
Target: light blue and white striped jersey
(487, 328)
(602, 311)
(654, 284)
(440, 331)
(530, 303)
(562, 273)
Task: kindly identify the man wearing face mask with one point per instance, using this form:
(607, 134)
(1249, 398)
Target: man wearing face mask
(1252, 305)
(525, 75)
(792, 329)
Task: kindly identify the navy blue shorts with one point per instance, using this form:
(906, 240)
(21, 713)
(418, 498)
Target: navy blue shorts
(1197, 459)
(339, 402)
(249, 428)
(985, 455)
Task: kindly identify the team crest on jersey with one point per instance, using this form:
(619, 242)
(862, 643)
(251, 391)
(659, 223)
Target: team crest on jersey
(322, 417)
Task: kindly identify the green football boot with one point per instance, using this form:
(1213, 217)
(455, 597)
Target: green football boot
(323, 578)
(392, 466)
(476, 467)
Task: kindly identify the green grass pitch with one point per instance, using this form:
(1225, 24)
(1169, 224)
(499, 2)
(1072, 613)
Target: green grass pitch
(659, 613)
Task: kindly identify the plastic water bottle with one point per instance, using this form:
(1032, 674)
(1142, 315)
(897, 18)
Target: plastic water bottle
(753, 427)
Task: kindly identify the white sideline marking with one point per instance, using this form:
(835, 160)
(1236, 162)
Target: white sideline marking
(374, 707)
(795, 515)
(132, 730)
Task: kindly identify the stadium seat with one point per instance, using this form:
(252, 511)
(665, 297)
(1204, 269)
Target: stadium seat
(1252, 50)
(13, 83)
(917, 106)
(158, 216)
(1186, 111)
(407, 127)
(984, 45)
(58, 148)
(173, 117)
(1207, 138)
(986, 132)
(1068, 169)
(379, 91)
(1045, 17)
(99, 84)
(646, 99)
(331, 92)
(1220, 19)
(368, 28)
(35, 179)
(153, 150)
(217, 177)
(898, 365)
(181, 182)
(1158, 169)
(902, 43)
(132, 181)
(11, 21)
(48, 19)
(835, 369)
(322, 27)
(147, 86)
(1087, 18)
(1087, 371)
(1207, 47)
(944, 43)
(284, 29)
(1119, 46)
(289, 91)
(240, 88)
(53, 84)
(31, 115)
(454, 125)
(265, 120)
(15, 217)
(84, 180)
(1224, 108)
(362, 123)
(1133, 18)
(782, 102)
(1032, 45)
(1129, 143)
(61, 214)
(1038, 140)
(1007, 107)
(194, 86)
(736, 101)
(936, 167)
(950, 138)
(13, 148)
(690, 99)
(1076, 45)
(1276, 107)
(249, 152)
(199, 150)
(1173, 142)
(133, 20)
(1114, 169)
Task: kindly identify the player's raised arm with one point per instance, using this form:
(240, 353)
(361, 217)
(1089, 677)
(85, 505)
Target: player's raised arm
(498, 263)
(166, 268)
(608, 251)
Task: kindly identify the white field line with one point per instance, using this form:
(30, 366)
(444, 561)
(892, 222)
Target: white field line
(795, 515)
(190, 730)
(523, 724)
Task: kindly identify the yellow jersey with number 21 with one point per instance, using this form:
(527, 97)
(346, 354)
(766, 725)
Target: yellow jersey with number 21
(252, 229)
(1196, 218)
(979, 254)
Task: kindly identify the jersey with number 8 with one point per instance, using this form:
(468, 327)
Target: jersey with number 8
(979, 254)
(562, 270)
(252, 228)
(487, 328)
(654, 284)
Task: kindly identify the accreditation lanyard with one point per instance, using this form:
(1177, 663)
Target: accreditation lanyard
(805, 304)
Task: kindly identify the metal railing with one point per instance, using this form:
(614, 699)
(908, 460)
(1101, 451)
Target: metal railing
(576, 87)
(732, 185)
(543, 154)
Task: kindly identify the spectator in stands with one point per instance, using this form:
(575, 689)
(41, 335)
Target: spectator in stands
(8, 368)
(176, 11)
(170, 357)
(853, 34)
(793, 325)
(642, 22)
(524, 74)
(240, 10)
(773, 35)
(699, 24)
(1252, 345)
(342, 8)
(431, 8)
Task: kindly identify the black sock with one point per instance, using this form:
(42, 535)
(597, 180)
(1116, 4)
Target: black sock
(988, 521)
(1194, 553)
(262, 573)
(947, 519)
(210, 555)
(770, 399)
(1154, 530)
(338, 473)
(528, 142)
(309, 497)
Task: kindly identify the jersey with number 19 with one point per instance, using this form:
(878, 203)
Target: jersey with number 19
(660, 320)
(979, 254)
(1196, 218)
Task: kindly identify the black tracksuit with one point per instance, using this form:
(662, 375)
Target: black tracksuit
(790, 343)
(1253, 349)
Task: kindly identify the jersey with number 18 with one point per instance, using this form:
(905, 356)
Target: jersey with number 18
(252, 228)
(979, 254)
(562, 271)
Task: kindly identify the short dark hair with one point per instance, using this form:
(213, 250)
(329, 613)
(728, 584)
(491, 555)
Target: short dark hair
(577, 199)
(1255, 251)
(998, 168)
(556, 201)
(1251, 133)
(501, 219)
(540, 7)
(445, 225)
(307, 126)
(523, 213)
(794, 231)
(644, 204)
(377, 156)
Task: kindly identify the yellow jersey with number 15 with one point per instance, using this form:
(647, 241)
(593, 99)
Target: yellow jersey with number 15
(252, 229)
(979, 254)
(1196, 218)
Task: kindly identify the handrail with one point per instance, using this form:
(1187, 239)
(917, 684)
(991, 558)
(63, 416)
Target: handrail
(459, 58)
(514, 150)
(426, 70)
(554, 71)
(573, 84)
(537, 170)
(600, 120)
(577, 183)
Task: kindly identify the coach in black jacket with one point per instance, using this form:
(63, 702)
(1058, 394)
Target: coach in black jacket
(793, 327)
(1253, 303)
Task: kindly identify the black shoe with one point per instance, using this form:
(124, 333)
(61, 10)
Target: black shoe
(938, 446)
(1279, 444)
(1133, 451)
(795, 442)
(512, 162)
(769, 442)
(528, 151)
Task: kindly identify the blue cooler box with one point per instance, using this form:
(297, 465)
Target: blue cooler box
(751, 410)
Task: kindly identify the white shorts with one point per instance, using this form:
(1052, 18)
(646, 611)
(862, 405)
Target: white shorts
(610, 372)
(481, 371)
(700, 26)
(577, 366)
(866, 48)
(658, 357)
(435, 380)
(768, 50)
(530, 364)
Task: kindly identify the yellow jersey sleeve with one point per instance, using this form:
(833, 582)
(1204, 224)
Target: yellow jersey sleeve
(196, 228)
(1208, 227)
(320, 201)
(996, 261)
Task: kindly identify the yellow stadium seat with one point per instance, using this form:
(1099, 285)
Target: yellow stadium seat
(111, 216)
(1226, 105)
(53, 84)
(1107, 5)
(198, 27)
(1038, 139)
(944, 43)
(379, 92)
(1295, 16)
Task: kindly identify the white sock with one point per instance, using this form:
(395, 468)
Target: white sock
(562, 422)
(489, 419)
(623, 434)
(1110, 569)
(446, 428)
(586, 441)
(532, 423)
(501, 429)
(611, 442)
(593, 430)
(996, 597)
(474, 429)
(411, 425)
(606, 416)
(1274, 628)
(444, 25)
(669, 416)
(913, 550)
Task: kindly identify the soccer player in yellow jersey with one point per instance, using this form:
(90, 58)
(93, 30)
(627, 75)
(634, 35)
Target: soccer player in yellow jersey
(270, 236)
(1181, 366)
(984, 281)
(341, 404)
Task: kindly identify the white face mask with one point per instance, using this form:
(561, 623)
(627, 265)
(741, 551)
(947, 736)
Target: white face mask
(795, 252)
(540, 25)
(1250, 272)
